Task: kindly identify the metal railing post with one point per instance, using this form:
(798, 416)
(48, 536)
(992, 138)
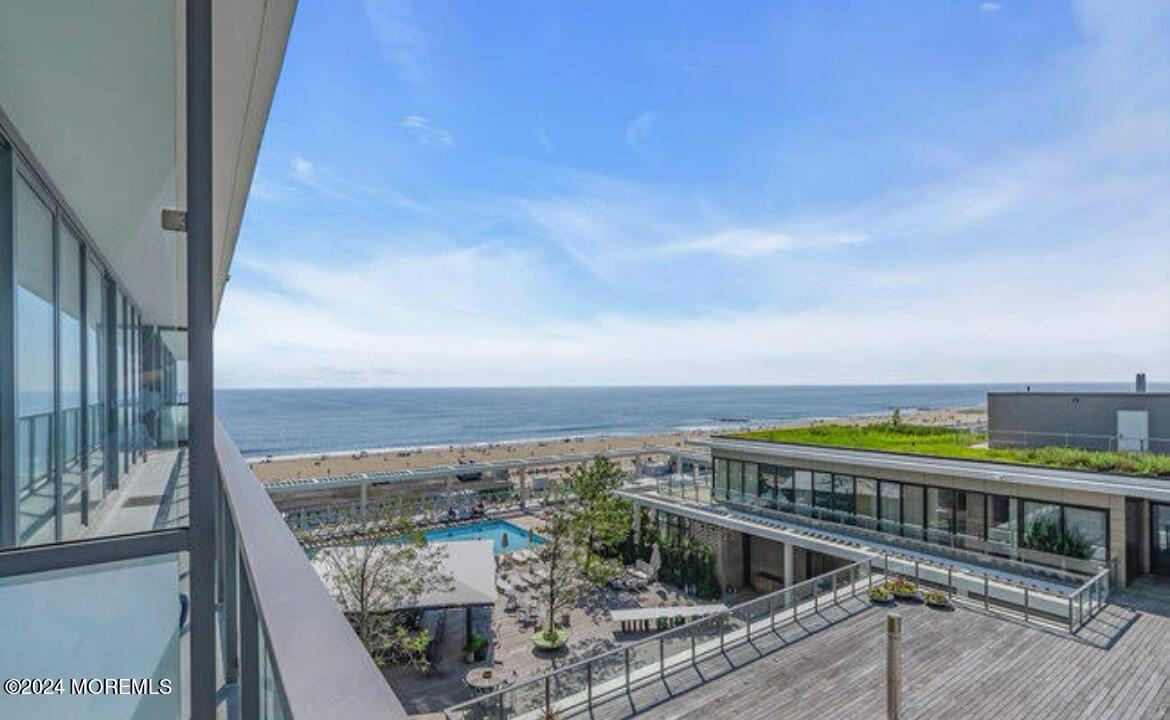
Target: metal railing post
(721, 625)
(662, 658)
(986, 595)
(772, 612)
(588, 685)
(547, 698)
(693, 656)
(833, 580)
(916, 571)
(627, 654)
(1070, 613)
(1025, 604)
(950, 580)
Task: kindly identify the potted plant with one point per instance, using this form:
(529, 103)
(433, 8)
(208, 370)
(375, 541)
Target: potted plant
(473, 647)
(934, 598)
(551, 639)
(880, 594)
(902, 588)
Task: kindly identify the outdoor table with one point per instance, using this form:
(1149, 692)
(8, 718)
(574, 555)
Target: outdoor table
(486, 679)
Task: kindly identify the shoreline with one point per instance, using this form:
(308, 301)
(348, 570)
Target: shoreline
(347, 462)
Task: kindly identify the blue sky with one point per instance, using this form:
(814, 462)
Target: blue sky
(535, 193)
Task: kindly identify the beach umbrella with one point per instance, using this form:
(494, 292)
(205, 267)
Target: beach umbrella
(655, 559)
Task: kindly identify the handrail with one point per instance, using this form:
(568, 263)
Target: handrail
(321, 666)
(659, 639)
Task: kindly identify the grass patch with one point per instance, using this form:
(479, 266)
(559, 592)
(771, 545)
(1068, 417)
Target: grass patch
(945, 442)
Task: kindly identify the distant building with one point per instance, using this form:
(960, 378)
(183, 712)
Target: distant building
(1137, 421)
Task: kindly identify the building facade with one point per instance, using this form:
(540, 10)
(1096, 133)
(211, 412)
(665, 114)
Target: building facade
(1133, 421)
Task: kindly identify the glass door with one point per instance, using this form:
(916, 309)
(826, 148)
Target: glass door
(1160, 539)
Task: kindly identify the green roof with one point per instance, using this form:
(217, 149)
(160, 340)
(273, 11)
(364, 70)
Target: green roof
(951, 443)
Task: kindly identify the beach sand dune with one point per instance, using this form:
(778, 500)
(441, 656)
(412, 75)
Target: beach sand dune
(333, 464)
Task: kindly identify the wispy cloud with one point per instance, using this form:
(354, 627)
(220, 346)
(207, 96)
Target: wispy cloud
(989, 6)
(749, 242)
(427, 133)
(639, 130)
(404, 45)
(331, 184)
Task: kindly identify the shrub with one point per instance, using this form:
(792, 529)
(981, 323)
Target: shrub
(877, 593)
(934, 597)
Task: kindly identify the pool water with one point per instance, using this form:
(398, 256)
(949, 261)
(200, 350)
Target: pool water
(494, 530)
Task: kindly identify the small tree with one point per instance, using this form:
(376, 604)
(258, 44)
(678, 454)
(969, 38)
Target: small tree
(601, 519)
(372, 582)
(560, 558)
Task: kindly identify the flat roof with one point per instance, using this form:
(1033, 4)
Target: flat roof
(446, 471)
(1035, 475)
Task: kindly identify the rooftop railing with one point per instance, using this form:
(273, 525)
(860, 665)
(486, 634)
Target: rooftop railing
(585, 684)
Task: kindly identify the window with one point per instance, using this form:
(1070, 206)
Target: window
(804, 493)
(1001, 525)
(867, 502)
(751, 481)
(913, 511)
(940, 514)
(95, 379)
(823, 490)
(785, 488)
(1042, 527)
(891, 506)
(69, 365)
(720, 479)
(1087, 532)
(843, 496)
(970, 510)
(36, 490)
(734, 480)
(768, 486)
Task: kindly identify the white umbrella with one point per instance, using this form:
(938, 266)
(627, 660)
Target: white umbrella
(655, 559)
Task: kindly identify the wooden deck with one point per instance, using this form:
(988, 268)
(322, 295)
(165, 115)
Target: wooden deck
(957, 664)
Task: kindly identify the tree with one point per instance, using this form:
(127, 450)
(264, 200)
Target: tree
(372, 582)
(560, 560)
(600, 519)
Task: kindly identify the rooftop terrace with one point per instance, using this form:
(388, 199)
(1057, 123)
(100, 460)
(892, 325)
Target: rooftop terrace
(961, 663)
(961, 444)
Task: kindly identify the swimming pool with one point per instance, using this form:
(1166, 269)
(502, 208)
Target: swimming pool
(495, 530)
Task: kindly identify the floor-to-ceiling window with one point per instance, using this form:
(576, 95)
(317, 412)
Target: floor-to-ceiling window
(867, 502)
(69, 453)
(735, 480)
(970, 514)
(940, 514)
(843, 497)
(35, 485)
(1002, 526)
(95, 374)
(768, 486)
(913, 511)
(123, 374)
(891, 506)
(823, 490)
(720, 482)
(802, 480)
(784, 488)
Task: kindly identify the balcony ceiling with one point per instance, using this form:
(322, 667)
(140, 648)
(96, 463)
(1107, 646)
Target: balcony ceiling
(95, 91)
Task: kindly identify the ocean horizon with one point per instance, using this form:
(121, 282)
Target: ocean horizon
(283, 422)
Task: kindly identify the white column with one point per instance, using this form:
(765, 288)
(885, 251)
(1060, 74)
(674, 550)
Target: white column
(788, 563)
(365, 496)
(523, 487)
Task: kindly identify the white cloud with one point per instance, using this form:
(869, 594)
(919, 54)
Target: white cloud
(748, 242)
(989, 6)
(427, 133)
(331, 184)
(404, 45)
(639, 130)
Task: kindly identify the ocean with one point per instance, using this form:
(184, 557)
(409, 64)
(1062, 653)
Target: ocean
(310, 421)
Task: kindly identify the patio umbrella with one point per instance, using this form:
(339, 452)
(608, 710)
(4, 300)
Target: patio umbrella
(655, 559)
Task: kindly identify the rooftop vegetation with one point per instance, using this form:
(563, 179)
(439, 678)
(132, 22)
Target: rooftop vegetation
(897, 436)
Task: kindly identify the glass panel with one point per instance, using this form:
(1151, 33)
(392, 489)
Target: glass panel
(735, 480)
(1086, 533)
(867, 503)
(1042, 527)
(785, 487)
(115, 620)
(69, 362)
(768, 486)
(95, 380)
(891, 507)
(843, 495)
(969, 514)
(751, 481)
(720, 479)
(940, 513)
(823, 490)
(913, 520)
(1002, 524)
(804, 492)
(35, 487)
(120, 397)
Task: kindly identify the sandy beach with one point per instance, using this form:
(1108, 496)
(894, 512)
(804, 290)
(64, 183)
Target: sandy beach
(345, 463)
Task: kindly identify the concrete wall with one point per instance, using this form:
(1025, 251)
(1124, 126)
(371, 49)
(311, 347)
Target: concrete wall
(1044, 418)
